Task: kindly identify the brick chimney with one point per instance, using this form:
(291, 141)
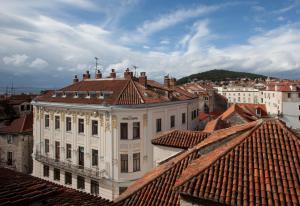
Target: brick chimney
(75, 80)
(172, 83)
(113, 73)
(128, 74)
(98, 74)
(143, 79)
(167, 81)
(86, 75)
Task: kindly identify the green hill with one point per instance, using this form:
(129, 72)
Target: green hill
(219, 75)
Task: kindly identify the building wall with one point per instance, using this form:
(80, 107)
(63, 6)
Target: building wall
(240, 94)
(21, 148)
(108, 142)
(161, 153)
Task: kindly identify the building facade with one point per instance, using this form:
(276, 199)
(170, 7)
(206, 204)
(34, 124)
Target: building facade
(16, 143)
(95, 135)
(237, 94)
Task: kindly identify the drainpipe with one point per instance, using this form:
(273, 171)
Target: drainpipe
(112, 156)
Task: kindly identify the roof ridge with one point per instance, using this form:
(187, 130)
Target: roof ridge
(218, 153)
(161, 169)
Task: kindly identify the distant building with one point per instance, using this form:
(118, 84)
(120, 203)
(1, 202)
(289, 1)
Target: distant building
(16, 143)
(95, 134)
(238, 94)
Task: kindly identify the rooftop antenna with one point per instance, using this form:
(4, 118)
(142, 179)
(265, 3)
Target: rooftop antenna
(96, 58)
(135, 67)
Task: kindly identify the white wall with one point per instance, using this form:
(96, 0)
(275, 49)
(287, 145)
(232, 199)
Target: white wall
(291, 113)
(161, 153)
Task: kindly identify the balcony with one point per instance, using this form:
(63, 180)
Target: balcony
(67, 166)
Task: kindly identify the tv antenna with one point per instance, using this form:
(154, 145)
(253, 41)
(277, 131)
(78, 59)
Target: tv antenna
(135, 67)
(96, 65)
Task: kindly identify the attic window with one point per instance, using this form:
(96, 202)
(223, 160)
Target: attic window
(64, 94)
(101, 95)
(76, 95)
(88, 95)
(258, 111)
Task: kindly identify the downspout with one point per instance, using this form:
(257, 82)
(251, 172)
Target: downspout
(112, 156)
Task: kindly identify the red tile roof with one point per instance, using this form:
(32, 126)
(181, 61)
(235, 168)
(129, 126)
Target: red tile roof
(119, 92)
(259, 168)
(202, 116)
(245, 111)
(19, 125)
(180, 138)
(21, 189)
(156, 187)
(282, 86)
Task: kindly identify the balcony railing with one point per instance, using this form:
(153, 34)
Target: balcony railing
(67, 166)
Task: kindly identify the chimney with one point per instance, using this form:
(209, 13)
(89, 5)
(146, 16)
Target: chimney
(167, 81)
(143, 79)
(293, 87)
(113, 73)
(98, 74)
(172, 83)
(128, 74)
(75, 80)
(86, 75)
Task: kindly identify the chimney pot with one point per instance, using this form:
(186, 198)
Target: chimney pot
(86, 75)
(75, 79)
(128, 74)
(143, 79)
(113, 73)
(98, 74)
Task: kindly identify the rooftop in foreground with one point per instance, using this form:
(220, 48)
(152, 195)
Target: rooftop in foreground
(21, 189)
(257, 163)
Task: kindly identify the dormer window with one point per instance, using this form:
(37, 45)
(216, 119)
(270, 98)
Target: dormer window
(76, 95)
(258, 111)
(88, 95)
(101, 95)
(64, 94)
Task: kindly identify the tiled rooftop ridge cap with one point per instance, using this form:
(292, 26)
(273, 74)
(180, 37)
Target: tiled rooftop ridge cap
(161, 169)
(203, 162)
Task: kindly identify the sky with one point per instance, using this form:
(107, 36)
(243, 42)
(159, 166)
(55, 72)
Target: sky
(45, 43)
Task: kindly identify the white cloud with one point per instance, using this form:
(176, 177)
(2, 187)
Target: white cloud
(15, 60)
(38, 63)
(168, 20)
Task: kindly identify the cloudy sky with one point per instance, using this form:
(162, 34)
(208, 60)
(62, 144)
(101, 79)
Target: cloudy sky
(44, 43)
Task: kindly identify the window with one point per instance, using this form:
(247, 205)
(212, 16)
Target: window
(22, 108)
(158, 125)
(122, 189)
(46, 146)
(80, 125)
(183, 118)
(57, 122)
(56, 174)
(80, 182)
(9, 158)
(299, 117)
(94, 127)
(298, 95)
(172, 121)
(9, 139)
(289, 95)
(124, 163)
(94, 157)
(47, 121)
(69, 151)
(46, 171)
(28, 107)
(68, 124)
(68, 178)
(124, 130)
(94, 187)
(136, 162)
(81, 156)
(57, 150)
(136, 130)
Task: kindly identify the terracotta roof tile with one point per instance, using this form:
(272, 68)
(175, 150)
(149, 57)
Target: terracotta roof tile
(260, 168)
(19, 125)
(156, 187)
(183, 139)
(119, 92)
(21, 189)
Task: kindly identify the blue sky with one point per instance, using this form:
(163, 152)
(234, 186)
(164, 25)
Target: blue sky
(45, 43)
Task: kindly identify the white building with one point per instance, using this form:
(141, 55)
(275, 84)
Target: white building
(238, 94)
(95, 135)
(281, 99)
